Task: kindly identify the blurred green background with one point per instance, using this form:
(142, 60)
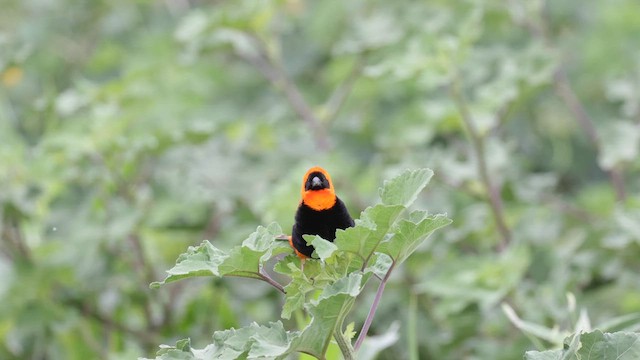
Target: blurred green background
(130, 130)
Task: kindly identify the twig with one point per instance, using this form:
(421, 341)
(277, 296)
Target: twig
(266, 278)
(143, 267)
(342, 92)
(565, 91)
(176, 7)
(281, 80)
(145, 336)
(567, 94)
(213, 227)
(374, 307)
(570, 209)
(412, 341)
(477, 142)
(17, 249)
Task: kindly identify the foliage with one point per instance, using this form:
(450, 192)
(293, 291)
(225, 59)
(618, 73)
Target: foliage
(384, 236)
(131, 130)
(594, 345)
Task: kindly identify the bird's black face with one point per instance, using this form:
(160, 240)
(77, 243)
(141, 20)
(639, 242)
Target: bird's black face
(316, 181)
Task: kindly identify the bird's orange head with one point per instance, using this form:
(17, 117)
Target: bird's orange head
(317, 189)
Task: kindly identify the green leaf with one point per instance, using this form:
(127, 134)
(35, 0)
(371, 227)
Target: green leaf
(242, 261)
(302, 283)
(620, 143)
(381, 264)
(404, 189)
(620, 322)
(370, 230)
(270, 341)
(539, 331)
(202, 260)
(543, 355)
(409, 234)
(481, 280)
(263, 238)
(594, 345)
(260, 246)
(251, 342)
(618, 346)
(182, 351)
(328, 313)
(313, 276)
(334, 279)
(349, 332)
(323, 248)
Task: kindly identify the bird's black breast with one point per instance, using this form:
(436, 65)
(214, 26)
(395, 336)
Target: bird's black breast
(323, 223)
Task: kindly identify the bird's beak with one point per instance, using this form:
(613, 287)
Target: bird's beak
(316, 182)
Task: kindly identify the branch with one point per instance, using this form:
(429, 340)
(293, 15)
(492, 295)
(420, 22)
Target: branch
(568, 95)
(342, 92)
(145, 268)
(565, 91)
(374, 307)
(145, 336)
(281, 80)
(16, 249)
(266, 278)
(477, 142)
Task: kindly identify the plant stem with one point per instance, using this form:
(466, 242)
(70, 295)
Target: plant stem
(412, 341)
(276, 75)
(374, 307)
(266, 278)
(339, 96)
(344, 345)
(568, 95)
(477, 142)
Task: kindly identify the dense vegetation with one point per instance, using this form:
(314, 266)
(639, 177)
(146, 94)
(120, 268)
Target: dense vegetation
(131, 130)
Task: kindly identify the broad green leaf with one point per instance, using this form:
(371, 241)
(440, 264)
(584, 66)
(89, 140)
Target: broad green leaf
(381, 264)
(304, 280)
(404, 189)
(328, 313)
(184, 344)
(551, 335)
(202, 260)
(262, 239)
(594, 345)
(620, 143)
(251, 342)
(323, 248)
(243, 261)
(299, 286)
(543, 355)
(618, 346)
(409, 235)
(482, 280)
(247, 260)
(349, 332)
(270, 341)
(373, 227)
(182, 351)
(620, 322)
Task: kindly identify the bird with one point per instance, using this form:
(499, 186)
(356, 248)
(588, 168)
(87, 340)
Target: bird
(320, 212)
